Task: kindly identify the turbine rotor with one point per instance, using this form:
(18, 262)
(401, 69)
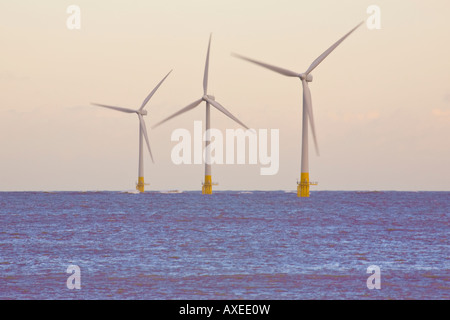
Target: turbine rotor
(307, 77)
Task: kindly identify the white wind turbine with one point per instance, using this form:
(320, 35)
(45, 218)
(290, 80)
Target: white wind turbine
(142, 132)
(303, 186)
(210, 100)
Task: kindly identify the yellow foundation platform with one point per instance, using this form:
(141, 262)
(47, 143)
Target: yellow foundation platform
(140, 185)
(207, 185)
(303, 185)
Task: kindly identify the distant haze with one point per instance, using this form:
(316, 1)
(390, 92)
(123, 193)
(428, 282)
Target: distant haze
(381, 100)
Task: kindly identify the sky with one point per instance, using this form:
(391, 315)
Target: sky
(381, 100)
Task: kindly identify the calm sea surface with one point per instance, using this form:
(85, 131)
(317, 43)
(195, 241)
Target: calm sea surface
(231, 245)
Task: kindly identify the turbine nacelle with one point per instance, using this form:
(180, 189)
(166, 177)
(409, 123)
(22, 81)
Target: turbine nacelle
(142, 112)
(206, 97)
(307, 77)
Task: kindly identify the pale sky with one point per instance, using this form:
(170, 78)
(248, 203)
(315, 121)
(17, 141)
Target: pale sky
(381, 100)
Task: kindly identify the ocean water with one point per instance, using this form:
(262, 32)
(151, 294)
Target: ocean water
(230, 245)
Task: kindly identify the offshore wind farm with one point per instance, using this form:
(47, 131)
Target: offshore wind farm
(376, 227)
(308, 118)
(352, 102)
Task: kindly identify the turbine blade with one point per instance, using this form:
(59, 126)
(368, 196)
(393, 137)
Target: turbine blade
(219, 107)
(185, 109)
(144, 132)
(309, 109)
(115, 108)
(282, 71)
(329, 50)
(205, 76)
(153, 91)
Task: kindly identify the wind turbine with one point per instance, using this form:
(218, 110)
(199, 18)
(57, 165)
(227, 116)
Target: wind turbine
(303, 185)
(210, 100)
(142, 132)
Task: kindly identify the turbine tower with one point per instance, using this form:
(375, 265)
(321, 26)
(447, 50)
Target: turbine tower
(303, 185)
(142, 132)
(210, 100)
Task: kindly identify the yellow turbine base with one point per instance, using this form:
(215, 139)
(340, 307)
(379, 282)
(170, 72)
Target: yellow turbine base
(140, 184)
(207, 185)
(303, 186)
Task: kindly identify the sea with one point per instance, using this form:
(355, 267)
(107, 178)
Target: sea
(231, 245)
